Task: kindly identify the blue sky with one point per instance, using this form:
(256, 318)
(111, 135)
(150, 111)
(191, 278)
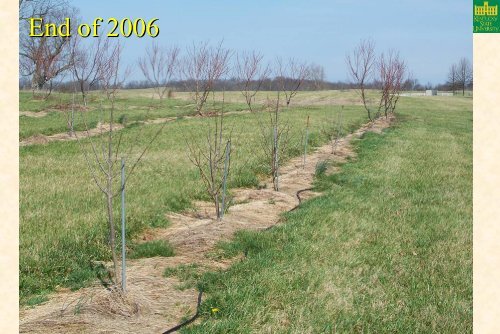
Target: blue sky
(430, 35)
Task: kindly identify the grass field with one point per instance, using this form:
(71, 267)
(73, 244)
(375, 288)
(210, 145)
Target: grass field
(386, 248)
(58, 109)
(62, 211)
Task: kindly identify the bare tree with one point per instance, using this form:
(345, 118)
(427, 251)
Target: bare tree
(202, 68)
(38, 8)
(88, 63)
(212, 158)
(392, 71)
(45, 58)
(464, 74)
(290, 76)
(316, 75)
(361, 64)
(159, 67)
(250, 74)
(453, 77)
(102, 155)
(275, 137)
(110, 79)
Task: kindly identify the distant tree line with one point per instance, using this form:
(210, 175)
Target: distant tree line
(229, 85)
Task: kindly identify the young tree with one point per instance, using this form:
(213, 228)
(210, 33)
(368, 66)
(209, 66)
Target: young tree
(361, 64)
(275, 137)
(212, 159)
(202, 68)
(102, 154)
(392, 72)
(159, 66)
(88, 63)
(290, 76)
(250, 74)
(464, 74)
(110, 79)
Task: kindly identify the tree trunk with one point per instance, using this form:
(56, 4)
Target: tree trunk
(217, 207)
(109, 196)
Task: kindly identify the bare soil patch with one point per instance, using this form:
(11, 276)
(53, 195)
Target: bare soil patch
(43, 139)
(153, 303)
(40, 139)
(100, 129)
(33, 113)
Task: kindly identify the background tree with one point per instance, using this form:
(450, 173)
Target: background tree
(203, 66)
(39, 8)
(316, 75)
(250, 74)
(464, 74)
(411, 83)
(45, 58)
(88, 63)
(453, 78)
(290, 76)
(361, 64)
(159, 66)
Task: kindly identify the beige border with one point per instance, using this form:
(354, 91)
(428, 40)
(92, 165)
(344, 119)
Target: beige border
(9, 167)
(486, 176)
(486, 183)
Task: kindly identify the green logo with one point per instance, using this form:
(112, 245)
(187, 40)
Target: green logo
(486, 16)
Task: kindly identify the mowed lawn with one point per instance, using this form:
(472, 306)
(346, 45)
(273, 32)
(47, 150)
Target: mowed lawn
(386, 249)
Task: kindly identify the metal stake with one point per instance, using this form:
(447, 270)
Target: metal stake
(226, 166)
(124, 275)
(276, 157)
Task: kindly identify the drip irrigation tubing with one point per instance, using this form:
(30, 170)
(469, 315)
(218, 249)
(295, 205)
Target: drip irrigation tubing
(300, 199)
(193, 318)
(187, 322)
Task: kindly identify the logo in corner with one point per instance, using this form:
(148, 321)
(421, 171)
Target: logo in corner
(486, 17)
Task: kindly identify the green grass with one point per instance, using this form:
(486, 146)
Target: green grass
(39, 299)
(151, 249)
(62, 213)
(58, 108)
(188, 274)
(386, 249)
(343, 262)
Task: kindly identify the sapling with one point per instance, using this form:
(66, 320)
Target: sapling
(212, 158)
(102, 153)
(275, 138)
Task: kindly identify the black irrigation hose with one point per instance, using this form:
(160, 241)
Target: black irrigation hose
(300, 199)
(297, 194)
(193, 318)
(187, 322)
